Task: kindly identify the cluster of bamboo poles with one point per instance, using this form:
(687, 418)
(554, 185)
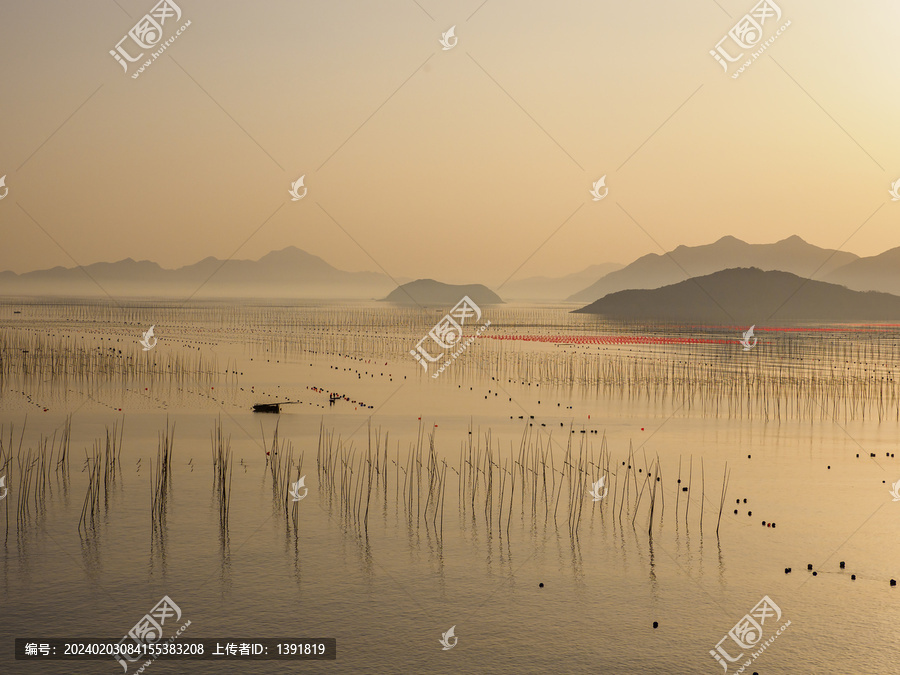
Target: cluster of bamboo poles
(350, 479)
(281, 466)
(29, 477)
(34, 356)
(526, 482)
(789, 375)
(222, 471)
(101, 465)
(161, 479)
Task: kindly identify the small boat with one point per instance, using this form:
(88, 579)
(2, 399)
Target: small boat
(271, 407)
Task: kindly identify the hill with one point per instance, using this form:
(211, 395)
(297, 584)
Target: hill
(874, 273)
(430, 292)
(748, 296)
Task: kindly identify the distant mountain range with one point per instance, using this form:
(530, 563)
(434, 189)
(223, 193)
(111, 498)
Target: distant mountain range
(748, 296)
(287, 273)
(554, 289)
(434, 293)
(875, 273)
(653, 271)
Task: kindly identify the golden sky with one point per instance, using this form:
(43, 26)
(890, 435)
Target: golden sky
(460, 164)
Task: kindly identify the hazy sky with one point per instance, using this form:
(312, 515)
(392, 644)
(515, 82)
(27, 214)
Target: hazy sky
(453, 164)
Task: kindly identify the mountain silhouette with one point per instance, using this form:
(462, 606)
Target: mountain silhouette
(653, 271)
(874, 273)
(289, 272)
(747, 296)
(434, 293)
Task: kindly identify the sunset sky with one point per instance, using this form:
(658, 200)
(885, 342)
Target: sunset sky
(456, 165)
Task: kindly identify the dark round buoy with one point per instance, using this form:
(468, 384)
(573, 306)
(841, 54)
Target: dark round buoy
(541, 584)
(748, 456)
(735, 512)
(745, 501)
(809, 566)
(656, 624)
(679, 480)
(829, 466)
(787, 570)
(857, 454)
(749, 513)
(853, 577)
(764, 523)
(815, 574)
(842, 564)
(737, 501)
(773, 524)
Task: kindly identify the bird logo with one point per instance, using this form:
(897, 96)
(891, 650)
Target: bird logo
(295, 489)
(895, 490)
(595, 489)
(146, 339)
(894, 192)
(596, 189)
(296, 196)
(745, 342)
(449, 39)
(3, 487)
(446, 637)
(3, 185)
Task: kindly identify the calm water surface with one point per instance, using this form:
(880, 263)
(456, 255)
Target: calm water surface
(387, 591)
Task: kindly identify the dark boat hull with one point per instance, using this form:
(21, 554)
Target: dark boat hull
(267, 407)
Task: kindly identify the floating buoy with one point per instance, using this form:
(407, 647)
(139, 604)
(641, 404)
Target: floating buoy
(787, 570)
(853, 577)
(656, 624)
(809, 566)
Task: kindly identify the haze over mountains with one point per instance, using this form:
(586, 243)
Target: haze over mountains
(874, 273)
(287, 273)
(653, 270)
(555, 289)
(294, 273)
(745, 297)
